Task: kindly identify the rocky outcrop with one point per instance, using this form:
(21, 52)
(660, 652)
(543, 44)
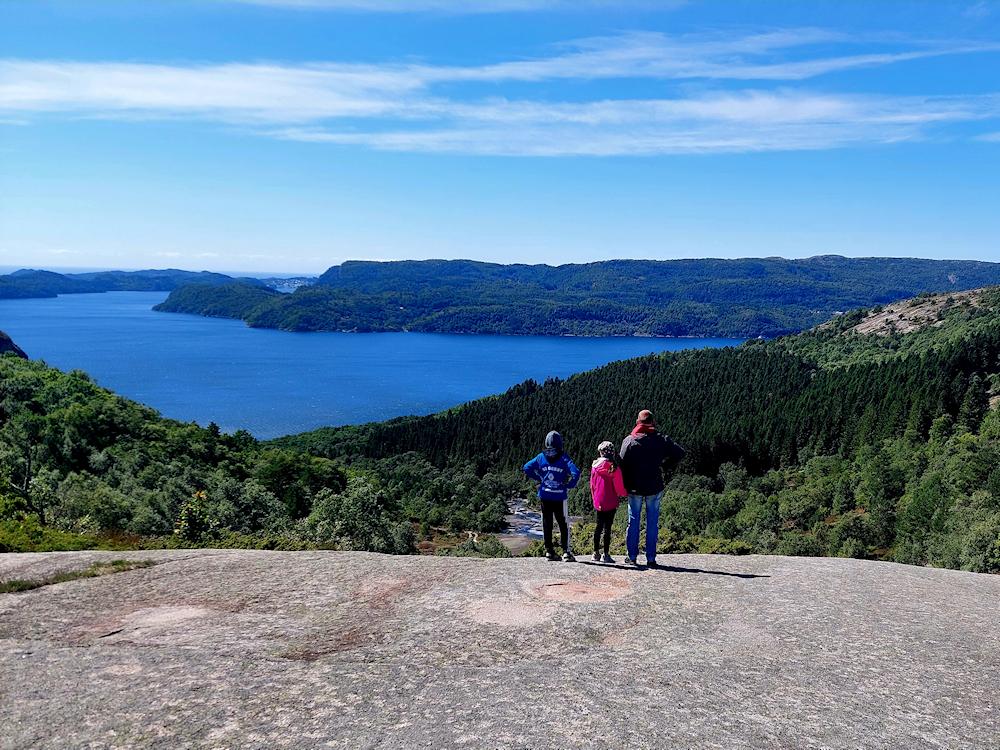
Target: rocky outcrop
(354, 650)
(7, 345)
(907, 316)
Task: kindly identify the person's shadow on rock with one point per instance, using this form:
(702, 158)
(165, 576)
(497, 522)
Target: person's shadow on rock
(677, 569)
(669, 569)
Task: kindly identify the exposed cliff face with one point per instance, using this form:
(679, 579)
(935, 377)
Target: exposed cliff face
(8, 345)
(338, 649)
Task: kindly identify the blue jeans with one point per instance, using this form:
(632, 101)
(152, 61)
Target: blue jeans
(635, 503)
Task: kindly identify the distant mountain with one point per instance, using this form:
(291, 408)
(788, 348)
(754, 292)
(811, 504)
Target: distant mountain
(739, 298)
(8, 345)
(27, 283)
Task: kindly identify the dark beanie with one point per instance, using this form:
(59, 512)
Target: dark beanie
(553, 444)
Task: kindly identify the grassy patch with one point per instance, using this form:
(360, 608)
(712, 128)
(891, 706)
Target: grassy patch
(95, 570)
(28, 535)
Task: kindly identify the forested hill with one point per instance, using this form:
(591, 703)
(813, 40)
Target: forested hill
(30, 283)
(739, 298)
(833, 441)
(81, 467)
(763, 404)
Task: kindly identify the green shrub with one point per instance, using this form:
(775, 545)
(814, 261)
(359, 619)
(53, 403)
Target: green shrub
(535, 549)
(799, 545)
(486, 546)
(716, 546)
(28, 535)
(194, 523)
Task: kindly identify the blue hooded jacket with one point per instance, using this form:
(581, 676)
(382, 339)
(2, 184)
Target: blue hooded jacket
(554, 475)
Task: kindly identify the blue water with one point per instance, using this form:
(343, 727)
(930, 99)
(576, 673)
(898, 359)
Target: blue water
(274, 383)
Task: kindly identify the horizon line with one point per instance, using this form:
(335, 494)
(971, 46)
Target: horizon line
(8, 269)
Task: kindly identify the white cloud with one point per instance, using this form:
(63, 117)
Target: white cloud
(724, 123)
(460, 6)
(275, 92)
(713, 57)
(399, 106)
(742, 108)
(989, 137)
(239, 92)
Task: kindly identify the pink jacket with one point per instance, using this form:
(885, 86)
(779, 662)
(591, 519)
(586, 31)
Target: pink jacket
(606, 484)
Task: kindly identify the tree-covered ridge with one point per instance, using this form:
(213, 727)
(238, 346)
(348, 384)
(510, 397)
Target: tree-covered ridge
(217, 300)
(830, 442)
(752, 403)
(29, 283)
(895, 330)
(738, 298)
(78, 463)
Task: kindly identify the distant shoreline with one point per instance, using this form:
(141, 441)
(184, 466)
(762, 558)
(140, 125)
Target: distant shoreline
(403, 330)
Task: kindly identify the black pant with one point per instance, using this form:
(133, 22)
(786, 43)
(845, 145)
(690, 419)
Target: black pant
(604, 520)
(557, 509)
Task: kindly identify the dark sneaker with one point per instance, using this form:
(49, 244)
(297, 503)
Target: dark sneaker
(597, 557)
(652, 563)
(607, 558)
(568, 557)
(552, 557)
(630, 561)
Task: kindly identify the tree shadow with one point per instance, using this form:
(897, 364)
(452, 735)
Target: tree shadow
(668, 569)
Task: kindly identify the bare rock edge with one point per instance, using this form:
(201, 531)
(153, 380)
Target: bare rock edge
(251, 649)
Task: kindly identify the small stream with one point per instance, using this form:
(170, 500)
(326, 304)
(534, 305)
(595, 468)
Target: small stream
(523, 520)
(524, 526)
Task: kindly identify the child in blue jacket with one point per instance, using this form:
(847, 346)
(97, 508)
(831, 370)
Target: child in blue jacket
(555, 473)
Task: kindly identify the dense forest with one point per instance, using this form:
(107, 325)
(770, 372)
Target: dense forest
(827, 443)
(28, 283)
(737, 298)
(81, 467)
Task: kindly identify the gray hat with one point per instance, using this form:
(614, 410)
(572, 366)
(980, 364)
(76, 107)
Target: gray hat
(553, 445)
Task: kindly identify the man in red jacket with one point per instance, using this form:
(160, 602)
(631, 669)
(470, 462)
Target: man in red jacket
(645, 456)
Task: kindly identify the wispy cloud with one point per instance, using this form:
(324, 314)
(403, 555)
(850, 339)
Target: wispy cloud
(979, 10)
(459, 6)
(312, 91)
(706, 57)
(718, 123)
(237, 92)
(401, 106)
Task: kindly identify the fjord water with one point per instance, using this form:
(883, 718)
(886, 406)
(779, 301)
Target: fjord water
(274, 383)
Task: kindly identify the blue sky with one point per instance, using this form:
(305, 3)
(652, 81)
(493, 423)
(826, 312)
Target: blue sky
(289, 135)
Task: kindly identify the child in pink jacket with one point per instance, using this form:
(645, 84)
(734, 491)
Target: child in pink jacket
(608, 489)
